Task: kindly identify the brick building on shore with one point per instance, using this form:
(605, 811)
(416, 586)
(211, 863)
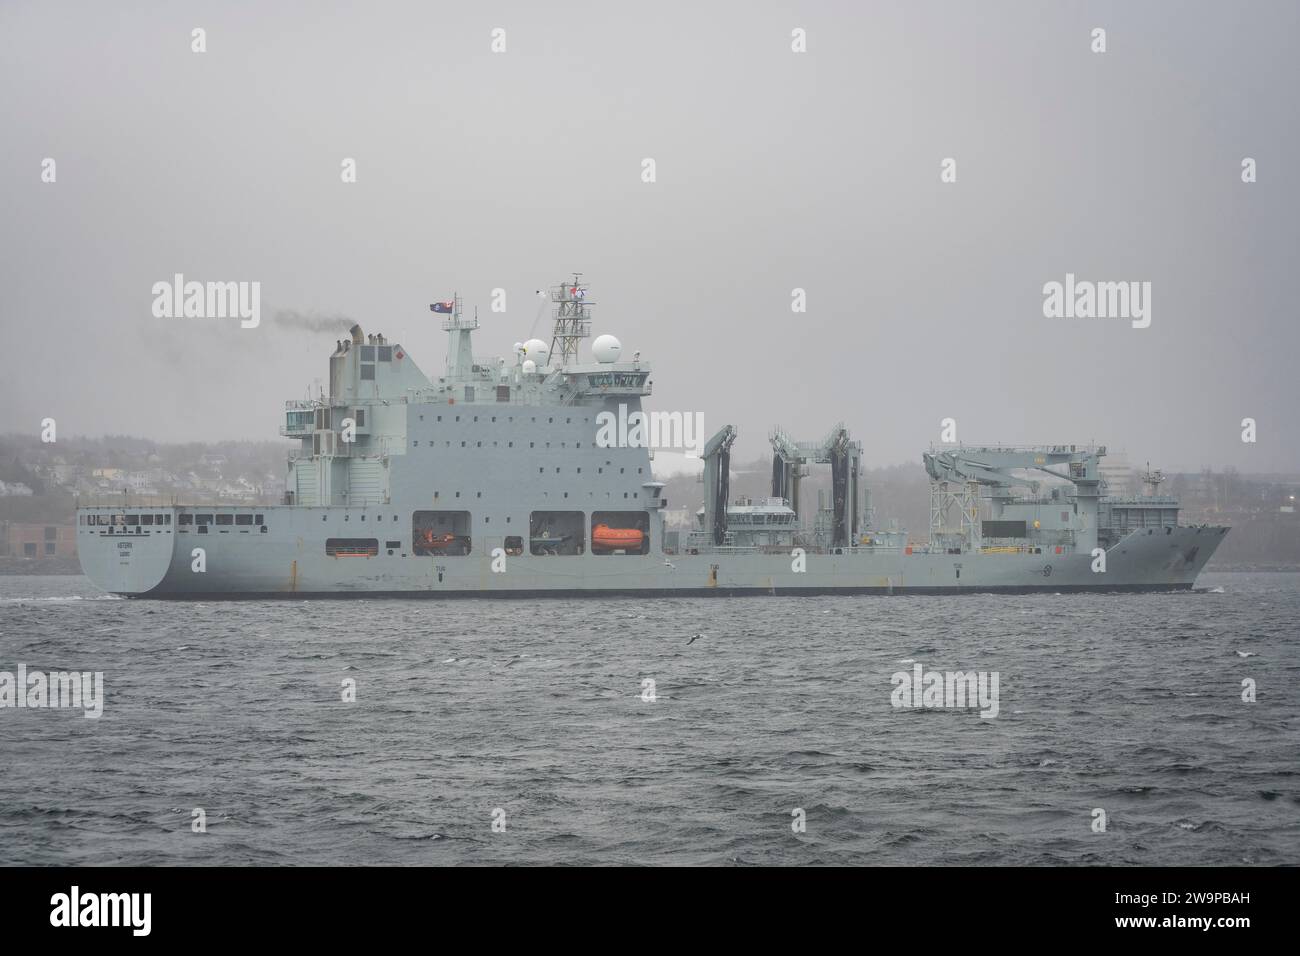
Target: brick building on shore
(24, 540)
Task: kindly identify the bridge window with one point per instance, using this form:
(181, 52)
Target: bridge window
(225, 519)
(243, 519)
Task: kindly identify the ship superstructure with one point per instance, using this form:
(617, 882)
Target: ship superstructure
(496, 478)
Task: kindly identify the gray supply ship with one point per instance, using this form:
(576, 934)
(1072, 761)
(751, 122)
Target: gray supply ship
(493, 480)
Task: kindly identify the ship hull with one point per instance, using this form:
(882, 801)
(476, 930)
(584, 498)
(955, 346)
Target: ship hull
(289, 560)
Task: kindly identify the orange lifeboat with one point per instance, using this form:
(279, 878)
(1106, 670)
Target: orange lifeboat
(436, 542)
(616, 539)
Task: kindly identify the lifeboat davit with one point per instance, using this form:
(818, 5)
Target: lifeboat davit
(616, 539)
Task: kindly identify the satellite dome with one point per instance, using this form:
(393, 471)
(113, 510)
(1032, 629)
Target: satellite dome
(529, 366)
(606, 348)
(536, 349)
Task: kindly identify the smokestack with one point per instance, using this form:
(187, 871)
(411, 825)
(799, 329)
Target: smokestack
(356, 334)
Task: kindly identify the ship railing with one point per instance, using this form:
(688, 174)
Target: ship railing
(341, 501)
(1052, 448)
(125, 500)
(195, 500)
(1141, 501)
(375, 446)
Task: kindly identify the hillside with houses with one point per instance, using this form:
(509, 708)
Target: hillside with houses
(235, 472)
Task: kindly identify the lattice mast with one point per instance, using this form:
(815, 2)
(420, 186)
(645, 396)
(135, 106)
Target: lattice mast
(572, 320)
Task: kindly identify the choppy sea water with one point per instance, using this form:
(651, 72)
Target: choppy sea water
(1127, 703)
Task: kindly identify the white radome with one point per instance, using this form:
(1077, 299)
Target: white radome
(536, 349)
(606, 348)
(529, 366)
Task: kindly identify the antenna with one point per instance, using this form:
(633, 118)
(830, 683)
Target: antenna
(1151, 479)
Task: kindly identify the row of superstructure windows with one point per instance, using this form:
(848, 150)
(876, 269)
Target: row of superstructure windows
(134, 523)
(510, 418)
(430, 443)
(124, 520)
(221, 519)
(600, 469)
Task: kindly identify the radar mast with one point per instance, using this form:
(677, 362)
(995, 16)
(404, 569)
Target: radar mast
(572, 320)
(460, 352)
(1151, 481)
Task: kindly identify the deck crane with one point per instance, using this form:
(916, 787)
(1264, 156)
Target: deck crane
(789, 464)
(717, 473)
(957, 475)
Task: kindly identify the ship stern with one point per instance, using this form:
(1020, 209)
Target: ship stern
(128, 559)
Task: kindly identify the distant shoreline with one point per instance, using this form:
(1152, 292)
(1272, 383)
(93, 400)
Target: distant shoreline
(27, 567)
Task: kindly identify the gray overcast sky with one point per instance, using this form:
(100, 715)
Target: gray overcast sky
(775, 170)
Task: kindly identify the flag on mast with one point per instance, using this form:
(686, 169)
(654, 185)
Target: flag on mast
(445, 308)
